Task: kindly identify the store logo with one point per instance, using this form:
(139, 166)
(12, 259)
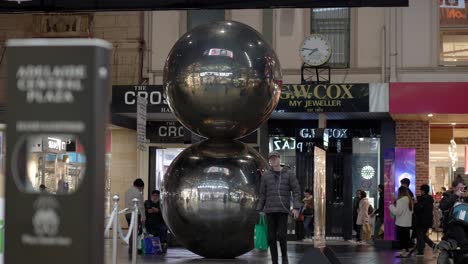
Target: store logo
(152, 97)
(367, 172)
(332, 133)
(46, 224)
(46, 221)
(56, 144)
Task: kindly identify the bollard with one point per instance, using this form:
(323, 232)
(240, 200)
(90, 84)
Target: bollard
(135, 230)
(114, 228)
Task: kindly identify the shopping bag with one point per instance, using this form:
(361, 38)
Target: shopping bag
(261, 234)
(141, 245)
(152, 246)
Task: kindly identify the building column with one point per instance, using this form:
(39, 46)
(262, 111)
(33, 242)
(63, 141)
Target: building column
(416, 134)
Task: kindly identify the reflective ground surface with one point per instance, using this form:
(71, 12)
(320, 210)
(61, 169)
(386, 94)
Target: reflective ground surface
(346, 252)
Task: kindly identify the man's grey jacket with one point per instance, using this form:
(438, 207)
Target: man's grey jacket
(275, 192)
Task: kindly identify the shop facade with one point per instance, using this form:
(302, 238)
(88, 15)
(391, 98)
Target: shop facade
(431, 118)
(349, 121)
(358, 128)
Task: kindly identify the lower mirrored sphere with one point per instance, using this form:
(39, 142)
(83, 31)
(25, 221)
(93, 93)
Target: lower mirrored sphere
(209, 196)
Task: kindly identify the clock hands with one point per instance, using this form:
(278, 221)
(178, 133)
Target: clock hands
(311, 50)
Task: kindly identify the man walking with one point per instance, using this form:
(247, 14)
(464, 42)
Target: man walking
(136, 191)
(275, 199)
(424, 216)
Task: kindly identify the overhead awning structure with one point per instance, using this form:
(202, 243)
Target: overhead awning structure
(121, 5)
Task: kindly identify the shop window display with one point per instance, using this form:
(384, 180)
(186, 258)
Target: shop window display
(49, 163)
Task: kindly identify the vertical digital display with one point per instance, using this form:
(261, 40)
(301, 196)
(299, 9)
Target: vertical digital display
(399, 163)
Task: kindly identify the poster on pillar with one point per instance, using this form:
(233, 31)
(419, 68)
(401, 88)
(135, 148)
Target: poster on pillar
(57, 94)
(318, 98)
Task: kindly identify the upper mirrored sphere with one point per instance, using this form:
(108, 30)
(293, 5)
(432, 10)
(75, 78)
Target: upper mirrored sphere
(222, 80)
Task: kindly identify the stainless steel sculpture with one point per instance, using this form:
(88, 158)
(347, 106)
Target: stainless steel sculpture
(210, 197)
(222, 81)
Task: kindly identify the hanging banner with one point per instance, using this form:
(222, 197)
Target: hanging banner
(318, 98)
(141, 123)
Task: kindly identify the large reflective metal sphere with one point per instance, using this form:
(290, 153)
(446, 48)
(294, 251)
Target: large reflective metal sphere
(209, 197)
(222, 80)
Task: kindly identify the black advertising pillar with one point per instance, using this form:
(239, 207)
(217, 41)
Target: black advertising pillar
(57, 113)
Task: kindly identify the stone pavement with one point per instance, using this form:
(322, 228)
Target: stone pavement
(347, 252)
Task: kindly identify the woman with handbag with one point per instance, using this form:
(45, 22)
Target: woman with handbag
(362, 220)
(402, 208)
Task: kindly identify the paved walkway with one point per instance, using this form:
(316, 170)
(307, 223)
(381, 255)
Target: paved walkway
(347, 253)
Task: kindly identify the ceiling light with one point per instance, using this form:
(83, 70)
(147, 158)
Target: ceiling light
(453, 124)
(430, 115)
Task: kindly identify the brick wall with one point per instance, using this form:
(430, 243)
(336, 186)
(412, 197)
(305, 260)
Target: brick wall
(415, 134)
(122, 29)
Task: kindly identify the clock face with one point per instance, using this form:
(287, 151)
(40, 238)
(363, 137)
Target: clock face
(315, 50)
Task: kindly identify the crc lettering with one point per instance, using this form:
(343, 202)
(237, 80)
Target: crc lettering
(319, 91)
(154, 97)
(171, 131)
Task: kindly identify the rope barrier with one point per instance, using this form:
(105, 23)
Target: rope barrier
(117, 232)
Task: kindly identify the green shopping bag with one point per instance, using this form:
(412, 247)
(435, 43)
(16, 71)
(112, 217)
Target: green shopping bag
(261, 234)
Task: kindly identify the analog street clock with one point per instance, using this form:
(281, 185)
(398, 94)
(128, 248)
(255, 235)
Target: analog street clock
(315, 50)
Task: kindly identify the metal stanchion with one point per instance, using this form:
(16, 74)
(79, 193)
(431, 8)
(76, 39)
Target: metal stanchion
(114, 229)
(135, 230)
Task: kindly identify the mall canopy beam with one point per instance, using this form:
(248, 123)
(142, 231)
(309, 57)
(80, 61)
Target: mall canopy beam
(116, 5)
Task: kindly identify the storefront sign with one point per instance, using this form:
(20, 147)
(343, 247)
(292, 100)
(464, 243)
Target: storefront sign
(333, 133)
(175, 132)
(165, 132)
(54, 145)
(324, 98)
(96, 5)
(55, 87)
(289, 145)
(124, 98)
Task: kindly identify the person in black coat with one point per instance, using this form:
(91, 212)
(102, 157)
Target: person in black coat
(379, 212)
(424, 217)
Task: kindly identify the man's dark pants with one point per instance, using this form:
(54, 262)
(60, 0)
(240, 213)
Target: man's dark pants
(277, 231)
(422, 239)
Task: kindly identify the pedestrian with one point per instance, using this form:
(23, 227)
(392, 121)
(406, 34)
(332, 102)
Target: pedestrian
(155, 224)
(275, 198)
(356, 201)
(363, 215)
(424, 219)
(402, 208)
(379, 212)
(135, 191)
(308, 214)
(43, 188)
(406, 182)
